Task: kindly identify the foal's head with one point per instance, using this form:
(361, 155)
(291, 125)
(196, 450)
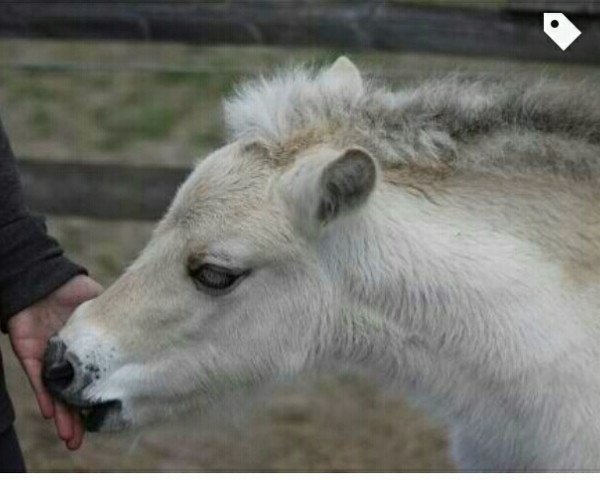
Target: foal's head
(239, 283)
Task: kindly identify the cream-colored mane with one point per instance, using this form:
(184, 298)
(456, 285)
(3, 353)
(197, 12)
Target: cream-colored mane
(458, 123)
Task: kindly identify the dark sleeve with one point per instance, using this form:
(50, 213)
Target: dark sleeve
(32, 264)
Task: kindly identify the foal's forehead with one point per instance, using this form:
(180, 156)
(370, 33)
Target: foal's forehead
(230, 182)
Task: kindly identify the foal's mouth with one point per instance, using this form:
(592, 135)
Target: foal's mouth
(97, 415)
(100, 415)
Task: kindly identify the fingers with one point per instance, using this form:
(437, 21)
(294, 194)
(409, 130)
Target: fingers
(33, 368)
(46, 404)
(63, 421)
(78, 432)
(69, 425)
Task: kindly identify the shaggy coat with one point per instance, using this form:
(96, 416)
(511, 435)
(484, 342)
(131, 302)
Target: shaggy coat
(445, 238)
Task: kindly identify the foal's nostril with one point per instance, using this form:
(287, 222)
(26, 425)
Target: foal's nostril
(58, 372)
(60, 375)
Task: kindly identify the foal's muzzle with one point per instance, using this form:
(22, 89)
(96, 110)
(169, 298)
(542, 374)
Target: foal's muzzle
(66, 378)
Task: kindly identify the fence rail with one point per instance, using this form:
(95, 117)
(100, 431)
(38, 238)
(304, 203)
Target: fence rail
(513, 32)
(109, 192)
(564, 6)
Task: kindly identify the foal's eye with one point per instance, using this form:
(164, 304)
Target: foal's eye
(215, 279)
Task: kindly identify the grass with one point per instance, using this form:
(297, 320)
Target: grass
(161, 103)
(41, 121)
(143, 121)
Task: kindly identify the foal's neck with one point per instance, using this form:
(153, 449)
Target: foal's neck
(471, 320)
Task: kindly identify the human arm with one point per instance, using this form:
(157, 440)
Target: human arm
(34, 274)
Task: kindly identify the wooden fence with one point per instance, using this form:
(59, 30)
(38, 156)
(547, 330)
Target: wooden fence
(109, 192)
(514, 31)
(143, 193)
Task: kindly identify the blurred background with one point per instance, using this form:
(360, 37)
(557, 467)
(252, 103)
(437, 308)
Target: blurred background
(108, 106)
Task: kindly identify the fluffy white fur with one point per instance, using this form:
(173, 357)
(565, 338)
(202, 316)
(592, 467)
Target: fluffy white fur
(444, 238)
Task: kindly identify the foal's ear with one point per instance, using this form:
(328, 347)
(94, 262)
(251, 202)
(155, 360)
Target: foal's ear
(319, 191)
(344, 74)
(345, 183)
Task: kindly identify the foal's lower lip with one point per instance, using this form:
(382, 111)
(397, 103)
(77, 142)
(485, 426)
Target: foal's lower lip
(95, 415)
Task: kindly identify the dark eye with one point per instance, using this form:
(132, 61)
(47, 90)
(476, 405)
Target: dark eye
(215, 279)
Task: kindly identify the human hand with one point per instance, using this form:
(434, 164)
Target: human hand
(29, 332)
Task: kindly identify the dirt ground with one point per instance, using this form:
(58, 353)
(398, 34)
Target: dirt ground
(159, 104)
